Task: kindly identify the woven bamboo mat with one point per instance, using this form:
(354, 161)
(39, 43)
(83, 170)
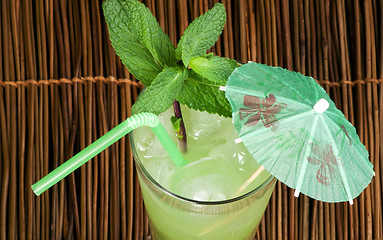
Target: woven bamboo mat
(62, 87)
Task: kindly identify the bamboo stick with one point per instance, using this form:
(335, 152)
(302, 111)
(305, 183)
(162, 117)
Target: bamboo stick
(258, 33)
(252, 32)
(13, 167)
(243, 31)
(21, 157)
(279, 37)
(377, 207)
(123, 206)
(262, 22)
(5, 173)
(83, 185)
(96, 164)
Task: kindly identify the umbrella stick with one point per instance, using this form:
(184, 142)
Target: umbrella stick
(307, 153)
(249, 181)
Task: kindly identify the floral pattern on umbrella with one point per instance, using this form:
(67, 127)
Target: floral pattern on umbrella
(260, 110)
(327, 163)
(345, 132)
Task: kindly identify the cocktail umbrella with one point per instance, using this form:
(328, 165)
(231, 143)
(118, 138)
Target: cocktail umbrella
(294, 130)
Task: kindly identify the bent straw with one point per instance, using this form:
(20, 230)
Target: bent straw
(138, 120)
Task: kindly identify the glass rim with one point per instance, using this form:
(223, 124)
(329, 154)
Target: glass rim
(179, 197)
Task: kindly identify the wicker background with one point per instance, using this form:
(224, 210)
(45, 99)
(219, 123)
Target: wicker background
(61, 87)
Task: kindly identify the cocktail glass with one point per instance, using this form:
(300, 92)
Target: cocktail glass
(173, 216)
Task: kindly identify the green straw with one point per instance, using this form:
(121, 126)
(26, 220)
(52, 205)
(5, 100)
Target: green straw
(138, 120)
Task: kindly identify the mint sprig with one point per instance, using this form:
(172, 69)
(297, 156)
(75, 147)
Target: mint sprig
(201, 34)
(160, 95)
(139, 41)
(149, 55)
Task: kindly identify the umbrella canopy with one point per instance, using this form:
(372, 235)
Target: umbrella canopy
(292, 127)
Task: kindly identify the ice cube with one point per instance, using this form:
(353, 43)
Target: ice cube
(201, 125)
(207, 179)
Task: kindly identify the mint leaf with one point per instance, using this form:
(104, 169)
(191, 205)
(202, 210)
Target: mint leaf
(201, 34)
(197, 93)
(160, 95)
(214, 68)
(138, 39)
(176, 122)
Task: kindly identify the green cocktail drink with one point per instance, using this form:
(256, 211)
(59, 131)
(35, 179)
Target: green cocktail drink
(208, 198)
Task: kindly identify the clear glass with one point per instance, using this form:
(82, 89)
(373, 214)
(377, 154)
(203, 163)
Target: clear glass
(175, 217)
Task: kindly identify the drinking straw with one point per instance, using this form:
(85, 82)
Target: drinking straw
(138, 120)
